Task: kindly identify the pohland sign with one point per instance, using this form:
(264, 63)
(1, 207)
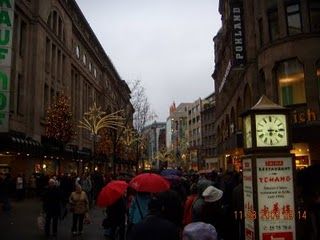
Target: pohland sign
(6, 29)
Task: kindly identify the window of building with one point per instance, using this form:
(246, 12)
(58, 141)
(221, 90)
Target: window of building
(95, 72)
(314, 8)
(293, 18)
(23, 38)
(260, 23)
(262, 83)
(318, 76)
(78, 51)
(90, 66)
(20, 95)
(290, 77)
(47, 57)
(84, 59)
(273, 24)
(45, 99)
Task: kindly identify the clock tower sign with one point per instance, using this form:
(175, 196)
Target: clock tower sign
(268, 187)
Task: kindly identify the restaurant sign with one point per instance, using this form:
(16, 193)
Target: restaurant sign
(6, 29)
(249, 212)
(276, 208)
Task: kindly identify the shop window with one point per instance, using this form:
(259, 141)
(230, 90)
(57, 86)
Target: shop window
(290, 77)
(293, 18)
(314, 9)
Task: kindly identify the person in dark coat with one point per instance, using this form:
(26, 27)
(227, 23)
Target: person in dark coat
(115, 220)
(156, 226)
(52, 201)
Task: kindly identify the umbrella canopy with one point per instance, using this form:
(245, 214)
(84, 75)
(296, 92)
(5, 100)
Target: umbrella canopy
(149, 182)
(167, 172)
(110, 193)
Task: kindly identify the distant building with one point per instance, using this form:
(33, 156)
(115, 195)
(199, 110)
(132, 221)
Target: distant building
(177, 133)
(155, 139)
(209, 159)
(195, 134)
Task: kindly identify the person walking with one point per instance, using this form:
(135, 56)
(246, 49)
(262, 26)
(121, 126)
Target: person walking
(79, 206)
(52, 200)
(157, 225)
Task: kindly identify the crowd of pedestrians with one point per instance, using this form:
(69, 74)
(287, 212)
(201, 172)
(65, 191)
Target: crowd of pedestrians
(195, 207)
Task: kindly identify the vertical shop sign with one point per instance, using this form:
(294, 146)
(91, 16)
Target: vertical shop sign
(275, 198)
(237, 35)
(249, 212)
(6, 29)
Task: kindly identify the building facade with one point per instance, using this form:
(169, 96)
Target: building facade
(209, 159)
(155, 139)
(268, 47)
(195, 134)
(54, 52)
(177, 133)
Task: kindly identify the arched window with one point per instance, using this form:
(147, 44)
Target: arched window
(291, 83)
(239, 111)
(55, 23)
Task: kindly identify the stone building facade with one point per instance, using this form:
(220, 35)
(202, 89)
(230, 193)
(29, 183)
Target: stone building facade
(54, 52)
(268, 47)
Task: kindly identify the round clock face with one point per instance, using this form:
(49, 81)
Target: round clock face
(271, 130)
(247, 132)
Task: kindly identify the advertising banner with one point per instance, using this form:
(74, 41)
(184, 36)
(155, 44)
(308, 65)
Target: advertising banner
(6, 29)
(238, 35)
(249, 213)
(276, 208)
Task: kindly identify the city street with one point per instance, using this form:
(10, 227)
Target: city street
(21, 223)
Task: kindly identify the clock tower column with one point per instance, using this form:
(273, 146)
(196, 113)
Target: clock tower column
(268, 179)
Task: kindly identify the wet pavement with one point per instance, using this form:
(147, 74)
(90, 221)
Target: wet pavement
(21, 223)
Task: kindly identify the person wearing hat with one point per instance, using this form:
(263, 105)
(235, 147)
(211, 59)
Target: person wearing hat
(212, 210)
(199, 231)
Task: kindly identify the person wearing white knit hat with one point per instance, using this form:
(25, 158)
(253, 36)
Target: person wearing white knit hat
(212, 194)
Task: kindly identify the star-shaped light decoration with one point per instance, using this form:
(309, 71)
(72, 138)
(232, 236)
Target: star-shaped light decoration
(95, 119)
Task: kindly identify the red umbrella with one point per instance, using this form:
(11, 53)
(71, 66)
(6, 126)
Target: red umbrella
(149, 182)
(110, 193)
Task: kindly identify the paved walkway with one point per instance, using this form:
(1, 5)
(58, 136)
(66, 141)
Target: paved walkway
(21, 223)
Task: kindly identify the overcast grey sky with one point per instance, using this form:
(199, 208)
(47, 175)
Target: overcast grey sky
(167, 44)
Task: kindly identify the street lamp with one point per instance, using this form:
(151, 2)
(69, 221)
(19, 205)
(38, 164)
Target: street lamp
(94, 120)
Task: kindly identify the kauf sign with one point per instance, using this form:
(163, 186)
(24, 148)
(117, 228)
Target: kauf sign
(6, 29)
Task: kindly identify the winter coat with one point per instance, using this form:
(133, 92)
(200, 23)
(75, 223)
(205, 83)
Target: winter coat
(52, 201)
(187, 214)
(79, 201)
(156, 228)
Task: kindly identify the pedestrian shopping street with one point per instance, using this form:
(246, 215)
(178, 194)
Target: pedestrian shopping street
(21, 223)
